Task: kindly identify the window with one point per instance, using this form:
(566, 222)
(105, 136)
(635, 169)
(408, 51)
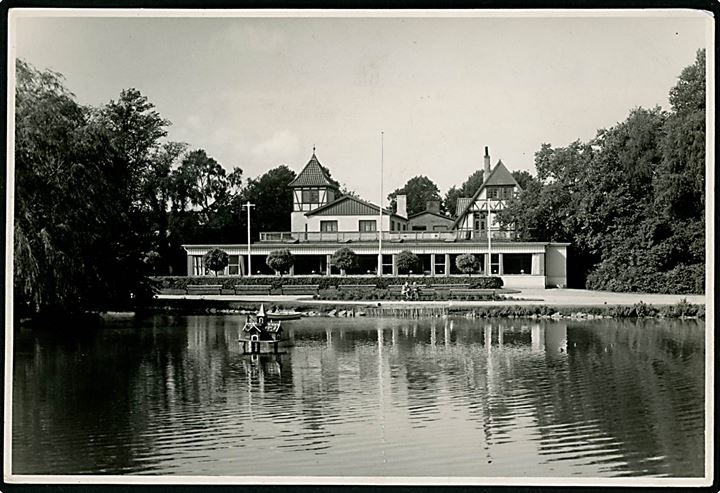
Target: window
(517, 263)
(198, 265)
(495, 263)
(367, 225)
(492, 192)
(439, 227)
(439, 263)
(328, 226)
(233, 265)
(311, 196)
(419, 227)
(507, 193)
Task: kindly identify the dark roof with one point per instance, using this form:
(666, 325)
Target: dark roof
(349, 206)
(499, 176)
(312, 175)
(418, 214)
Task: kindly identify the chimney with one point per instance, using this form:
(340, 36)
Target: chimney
(401, 205)
(486, 171)
(432, 206)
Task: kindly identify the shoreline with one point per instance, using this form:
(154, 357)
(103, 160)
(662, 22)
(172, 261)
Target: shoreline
(219, 304)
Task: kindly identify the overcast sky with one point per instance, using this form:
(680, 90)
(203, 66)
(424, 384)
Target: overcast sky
(259, 92)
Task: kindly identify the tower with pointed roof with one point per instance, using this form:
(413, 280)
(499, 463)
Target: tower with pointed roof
(312, 189)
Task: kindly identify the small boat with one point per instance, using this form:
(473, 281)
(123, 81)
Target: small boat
(260, 335)
(289, 315)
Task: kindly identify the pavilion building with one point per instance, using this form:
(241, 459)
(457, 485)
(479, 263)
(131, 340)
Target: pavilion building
(322, 221)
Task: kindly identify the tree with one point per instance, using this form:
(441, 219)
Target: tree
(407, 262)
(630, 201)
(84, 218)
(523, 178)
(280, 261)
(467, 189)
(201, 182)
(344, 259)
(467, 263)
(216, 260)
(273, 200)
(419, 190)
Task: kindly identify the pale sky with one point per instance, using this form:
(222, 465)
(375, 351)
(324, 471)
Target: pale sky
(260, 92)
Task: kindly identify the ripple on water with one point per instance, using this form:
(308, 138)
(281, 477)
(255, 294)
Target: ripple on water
(617, 401)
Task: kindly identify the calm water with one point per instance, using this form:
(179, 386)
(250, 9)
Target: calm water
(173, 395)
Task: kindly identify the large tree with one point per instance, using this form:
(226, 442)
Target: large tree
(419, 190)
(630, 201)
(272, 198)
(86, 196)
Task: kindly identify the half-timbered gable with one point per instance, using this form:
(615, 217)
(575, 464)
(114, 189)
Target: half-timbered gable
(490, 198)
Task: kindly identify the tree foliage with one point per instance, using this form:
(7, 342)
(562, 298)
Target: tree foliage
(630, 201)
(272, 198)
(87, 213)
(216, 260)
(467, 189)
(419, 190)
(467, 263)
(344, 259)
(280, 261)
(407, 261)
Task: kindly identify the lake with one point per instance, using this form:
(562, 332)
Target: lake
(174, 395)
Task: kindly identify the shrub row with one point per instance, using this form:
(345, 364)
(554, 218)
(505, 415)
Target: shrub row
(683, 279)
(372, 293)
(682, 309)
(325, 282)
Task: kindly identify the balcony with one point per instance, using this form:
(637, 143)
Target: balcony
(388, 236)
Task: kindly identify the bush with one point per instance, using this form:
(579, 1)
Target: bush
(324, 282)
(280, 260)
(407, 261)
(344, 259)
(682, 279)
(216, 260)
(467, 263)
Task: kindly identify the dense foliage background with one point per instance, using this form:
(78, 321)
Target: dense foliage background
(103, 200)
(631, 201)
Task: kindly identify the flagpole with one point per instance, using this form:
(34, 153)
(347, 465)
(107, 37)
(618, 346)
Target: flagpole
(248, 205)
(382, 159)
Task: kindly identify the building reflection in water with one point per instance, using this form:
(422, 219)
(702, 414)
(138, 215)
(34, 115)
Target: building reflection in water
(595, 397)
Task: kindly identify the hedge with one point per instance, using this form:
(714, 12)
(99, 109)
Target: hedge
(682, 309)
(228, 282)
(373, 293)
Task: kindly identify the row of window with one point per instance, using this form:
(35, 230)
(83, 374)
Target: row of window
(500, 193)
(199, 268)
(364, 225)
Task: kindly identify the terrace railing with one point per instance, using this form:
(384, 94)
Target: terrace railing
(389, 236)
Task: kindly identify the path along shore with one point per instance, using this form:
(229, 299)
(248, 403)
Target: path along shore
(530, 297)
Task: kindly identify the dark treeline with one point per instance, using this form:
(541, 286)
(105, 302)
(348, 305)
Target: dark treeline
(631, 201)
(103, 200)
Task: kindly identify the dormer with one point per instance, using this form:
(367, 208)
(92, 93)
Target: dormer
(312, 188)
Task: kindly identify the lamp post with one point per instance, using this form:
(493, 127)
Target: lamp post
(248, 206)
(382, 158)
(489, 236)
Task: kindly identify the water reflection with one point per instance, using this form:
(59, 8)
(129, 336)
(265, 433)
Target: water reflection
(440, 397)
